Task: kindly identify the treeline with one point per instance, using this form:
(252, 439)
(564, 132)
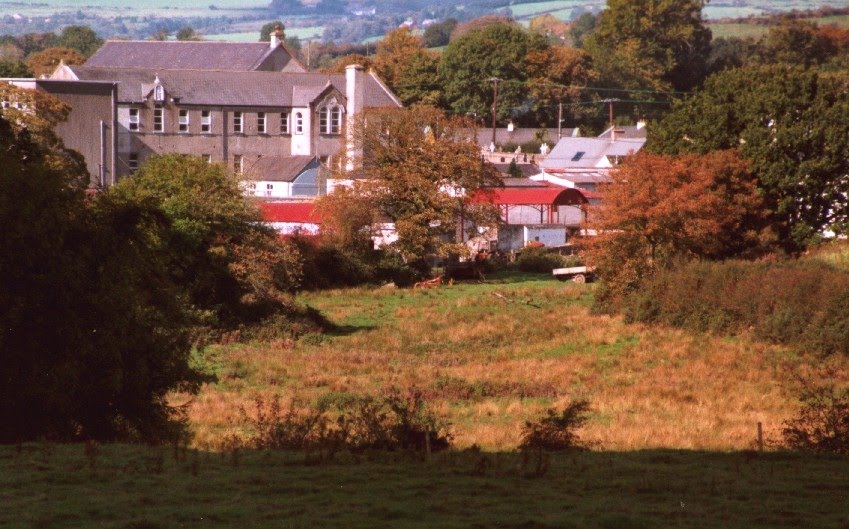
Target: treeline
(40, 53)
(105, 298)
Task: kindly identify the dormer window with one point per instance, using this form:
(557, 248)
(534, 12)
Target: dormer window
(330, 119)
(159, 93)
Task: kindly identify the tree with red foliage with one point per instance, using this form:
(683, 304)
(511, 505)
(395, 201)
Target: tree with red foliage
(659, 209)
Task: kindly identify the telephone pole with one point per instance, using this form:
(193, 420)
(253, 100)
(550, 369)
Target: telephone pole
(494, 81)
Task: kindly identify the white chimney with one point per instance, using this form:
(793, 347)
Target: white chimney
(354, 90)
(277, 37)
(509, 126)
(641, 124)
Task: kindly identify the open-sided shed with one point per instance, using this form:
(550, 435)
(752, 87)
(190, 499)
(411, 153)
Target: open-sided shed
(535, 205)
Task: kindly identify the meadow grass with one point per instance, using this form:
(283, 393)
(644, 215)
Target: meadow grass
(135, 487)
(490, 356)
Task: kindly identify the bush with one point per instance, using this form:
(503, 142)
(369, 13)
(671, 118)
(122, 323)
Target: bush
(822, 424)
(329, 266)
(556, 432)
(392, 422)
(771, 299)
(540, 260)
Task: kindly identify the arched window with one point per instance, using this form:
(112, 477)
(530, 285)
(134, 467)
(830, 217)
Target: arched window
(159, 93)
(330, 119)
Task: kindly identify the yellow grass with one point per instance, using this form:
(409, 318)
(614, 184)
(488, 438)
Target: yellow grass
(488, 365)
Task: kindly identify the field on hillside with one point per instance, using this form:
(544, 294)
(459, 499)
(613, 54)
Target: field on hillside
(491, 356)
(135, 487)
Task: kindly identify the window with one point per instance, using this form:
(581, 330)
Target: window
(284, 123)
(158, 119)
(133, 161)
(206, 157)
(330, 119)
(184, 121)
(238, 122)
(134, 119)
(252, 186)
(237, 164)
(159, 93)
(335, 120)
(578, 156)
(205, 121)
(260, 123)
(299, 123)
(269, 189)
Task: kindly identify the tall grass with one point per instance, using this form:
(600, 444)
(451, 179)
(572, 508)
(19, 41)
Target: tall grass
(489, 363)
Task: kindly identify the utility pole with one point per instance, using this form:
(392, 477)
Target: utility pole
(610, 106)
(309, 46)
(560, 120)
(494, 81)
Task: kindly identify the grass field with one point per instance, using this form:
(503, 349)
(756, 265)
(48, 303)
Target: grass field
(128, 487)
(491, 356)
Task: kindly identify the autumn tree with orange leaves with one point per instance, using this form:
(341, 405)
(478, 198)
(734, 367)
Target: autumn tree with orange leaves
(661, 209)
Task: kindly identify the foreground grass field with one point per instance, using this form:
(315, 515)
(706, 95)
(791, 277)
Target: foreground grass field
(124, 487)
(491, 356)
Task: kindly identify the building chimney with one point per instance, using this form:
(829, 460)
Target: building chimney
(354, 90)
(277, 36)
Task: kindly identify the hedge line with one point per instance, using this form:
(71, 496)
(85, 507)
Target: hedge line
(801, 303)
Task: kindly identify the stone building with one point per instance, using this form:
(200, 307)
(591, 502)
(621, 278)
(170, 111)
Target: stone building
(252, 106)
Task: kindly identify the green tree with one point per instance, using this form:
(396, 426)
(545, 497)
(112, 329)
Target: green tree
(233, 268)
(496, 51)
(656, 44)
(14, 69)
(187, 33)
(269, 28)
(581, 28)
(793, 126)
(419, 169)
(80, 38)
(407, 68)
(439, 34)
(93, 335)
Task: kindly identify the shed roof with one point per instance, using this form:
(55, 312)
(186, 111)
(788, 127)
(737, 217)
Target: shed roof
(280, 168)
(531, 196)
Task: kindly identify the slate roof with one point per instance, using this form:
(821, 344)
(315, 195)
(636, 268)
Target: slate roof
(194, 55)
(280, 168)
(225, 88)
(582, 153)
(626, 132)
(521, 182)
(518, 135)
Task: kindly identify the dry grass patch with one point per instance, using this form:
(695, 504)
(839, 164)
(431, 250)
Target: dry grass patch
(487, 365)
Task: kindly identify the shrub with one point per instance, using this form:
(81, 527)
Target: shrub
(392, 422)
(556, 432)
(540, 260)
(822, 424)
(771, 299)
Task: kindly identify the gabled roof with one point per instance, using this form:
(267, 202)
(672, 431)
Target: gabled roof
(194, 55)
(280, 168)
(223, 88)
(295, 212)
(532, 196)
(582, 153)
(625, 132)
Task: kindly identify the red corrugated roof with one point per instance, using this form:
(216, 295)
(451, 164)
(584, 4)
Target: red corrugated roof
(530, 196)
(302, 212)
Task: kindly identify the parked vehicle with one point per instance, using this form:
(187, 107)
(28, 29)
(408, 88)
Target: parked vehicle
(577, 274)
